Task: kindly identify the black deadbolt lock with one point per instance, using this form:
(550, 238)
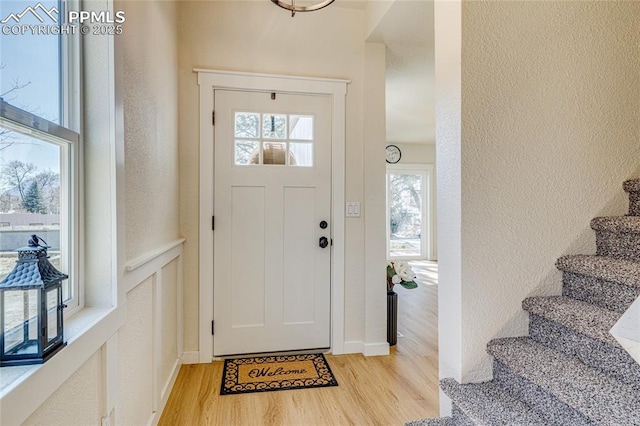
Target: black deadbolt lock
(324, 224)
(324, 242)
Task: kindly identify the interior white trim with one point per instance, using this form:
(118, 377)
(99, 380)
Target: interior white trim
(191, 357)
(272, 76)
(353, 347)
(135, 276)
(147, 257)
(166, 392)
(376, 349)
(208, 81)
(367, 349)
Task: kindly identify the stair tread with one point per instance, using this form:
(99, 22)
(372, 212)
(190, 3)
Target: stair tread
(487, 404)
(632, 185)
(607, 268)
(598, 396)
(618, 224)
(582, 317)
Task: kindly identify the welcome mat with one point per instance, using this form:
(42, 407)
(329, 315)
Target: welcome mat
(273, 373)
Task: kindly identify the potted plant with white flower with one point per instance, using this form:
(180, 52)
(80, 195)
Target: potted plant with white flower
(398, 272)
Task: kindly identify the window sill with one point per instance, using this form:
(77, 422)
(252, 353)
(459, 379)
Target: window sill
(24, 388)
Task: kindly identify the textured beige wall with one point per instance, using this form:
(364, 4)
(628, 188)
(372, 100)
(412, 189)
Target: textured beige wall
(417, 153)
(258, 37)
(550, 130)
(78, 400)
(151, 127)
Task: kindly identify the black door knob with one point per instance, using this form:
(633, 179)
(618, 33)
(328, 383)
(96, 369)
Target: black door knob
(324, 224)
(323, 242)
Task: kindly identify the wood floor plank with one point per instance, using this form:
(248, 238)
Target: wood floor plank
(385, 390)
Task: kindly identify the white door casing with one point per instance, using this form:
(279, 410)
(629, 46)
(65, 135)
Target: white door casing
(272, 191)
(210, 80)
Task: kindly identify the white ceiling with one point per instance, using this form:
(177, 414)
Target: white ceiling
(407, 31)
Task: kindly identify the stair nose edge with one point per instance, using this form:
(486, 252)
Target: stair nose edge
(616, 224)
(620, 271)
(572, 314)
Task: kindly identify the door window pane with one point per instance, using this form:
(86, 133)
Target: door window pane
(302, 154)
(274, 153)
(301, 127)
(247, 152)
(274, 126)
(247, 125)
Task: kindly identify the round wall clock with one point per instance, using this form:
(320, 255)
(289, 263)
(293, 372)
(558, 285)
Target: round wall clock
(393, 154)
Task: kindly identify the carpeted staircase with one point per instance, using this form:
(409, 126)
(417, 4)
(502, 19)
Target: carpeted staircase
(569, 371)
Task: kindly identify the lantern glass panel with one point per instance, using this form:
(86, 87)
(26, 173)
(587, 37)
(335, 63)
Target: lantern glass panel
(21, 322)
(52, 314)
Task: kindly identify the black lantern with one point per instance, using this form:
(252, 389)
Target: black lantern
(31, 302)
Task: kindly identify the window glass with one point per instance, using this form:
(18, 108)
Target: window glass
(52, 317)
(21, 321)
(247, 125)
(274, 126)
(274, 153)
(247, 152)
(302, 153)
(294, 135)
(405, 210)
(30, 70)
(32, 199)
(301, 127)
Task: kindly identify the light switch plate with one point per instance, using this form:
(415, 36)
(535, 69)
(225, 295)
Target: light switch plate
(353, 209)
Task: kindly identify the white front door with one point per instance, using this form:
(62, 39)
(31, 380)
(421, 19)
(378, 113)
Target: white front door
(272, 209)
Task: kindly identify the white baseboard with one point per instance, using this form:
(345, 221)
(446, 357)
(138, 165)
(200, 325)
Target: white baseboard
(354, 347)
(367, 349)
(192, 357)
(166, 391)
(376, 349)
(445, 404)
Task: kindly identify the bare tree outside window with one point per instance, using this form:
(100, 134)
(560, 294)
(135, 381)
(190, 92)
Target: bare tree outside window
(405, 214)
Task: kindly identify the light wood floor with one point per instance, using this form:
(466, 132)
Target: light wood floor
(385, 390)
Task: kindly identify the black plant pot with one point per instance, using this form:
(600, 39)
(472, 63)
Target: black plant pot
(392, 317)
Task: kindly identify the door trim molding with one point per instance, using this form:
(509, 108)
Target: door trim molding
(210, 80)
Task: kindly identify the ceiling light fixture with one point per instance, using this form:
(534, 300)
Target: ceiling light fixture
(294, 8)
